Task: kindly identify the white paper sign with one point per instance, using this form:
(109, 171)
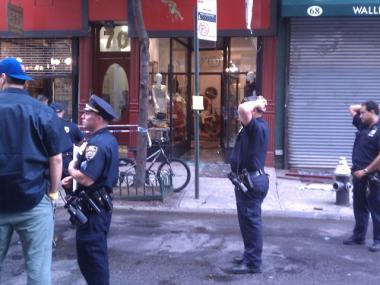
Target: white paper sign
(198, 102)
(207, 20)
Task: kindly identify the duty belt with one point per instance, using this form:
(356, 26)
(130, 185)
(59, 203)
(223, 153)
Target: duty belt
(256, 172)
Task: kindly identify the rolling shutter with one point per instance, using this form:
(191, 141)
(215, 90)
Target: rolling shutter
(41, 57)
(333, 63)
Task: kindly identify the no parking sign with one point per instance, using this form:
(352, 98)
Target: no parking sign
(207, 20)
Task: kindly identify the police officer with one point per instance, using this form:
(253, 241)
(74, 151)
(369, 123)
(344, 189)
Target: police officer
(365, 163)
(248, 156)
(31, 144)
(71, 129)
(96, 171)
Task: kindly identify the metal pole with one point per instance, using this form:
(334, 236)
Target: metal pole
(196, 93)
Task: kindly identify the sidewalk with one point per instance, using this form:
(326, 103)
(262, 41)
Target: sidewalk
(287, 196)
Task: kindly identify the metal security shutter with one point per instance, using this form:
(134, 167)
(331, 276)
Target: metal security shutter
(41, 57)
(333, 62)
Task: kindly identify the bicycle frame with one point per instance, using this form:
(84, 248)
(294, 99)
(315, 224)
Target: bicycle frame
(155, 156)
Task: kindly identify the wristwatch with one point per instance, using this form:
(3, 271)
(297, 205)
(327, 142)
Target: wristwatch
(365, 170)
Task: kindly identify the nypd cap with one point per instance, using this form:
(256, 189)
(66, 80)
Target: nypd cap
(13, 68)
(57, 107)
(101, 107)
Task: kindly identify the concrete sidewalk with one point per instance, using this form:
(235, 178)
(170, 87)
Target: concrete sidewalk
(287, 196)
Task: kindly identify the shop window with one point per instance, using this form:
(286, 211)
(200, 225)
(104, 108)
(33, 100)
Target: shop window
(159, 100)
(49, 62)
(115, 88)
(243, 54)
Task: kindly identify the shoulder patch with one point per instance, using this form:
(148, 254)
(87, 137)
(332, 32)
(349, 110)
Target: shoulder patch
(67, 129)
(91, 151)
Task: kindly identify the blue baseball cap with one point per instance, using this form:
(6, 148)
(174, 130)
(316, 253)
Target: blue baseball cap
(101, 107)
(13, 68)
(57, 107)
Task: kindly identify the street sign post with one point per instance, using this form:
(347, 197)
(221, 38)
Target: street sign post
(204, 28)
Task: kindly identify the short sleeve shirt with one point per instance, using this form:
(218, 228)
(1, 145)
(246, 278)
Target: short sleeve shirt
(100, 160)
(366, 145)
(251, 146)
(74, 133)
(30, 134)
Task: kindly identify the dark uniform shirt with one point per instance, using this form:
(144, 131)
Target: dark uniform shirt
(100, 160)
(30, 134)
(366, 145)
(74, 133)
(250, 147)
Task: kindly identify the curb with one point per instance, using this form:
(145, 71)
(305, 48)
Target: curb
(265, 213)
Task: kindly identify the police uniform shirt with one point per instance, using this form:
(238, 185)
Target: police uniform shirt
(250, 147)
(100, 160)
(366, 145)
(30, 133)
(74, 133)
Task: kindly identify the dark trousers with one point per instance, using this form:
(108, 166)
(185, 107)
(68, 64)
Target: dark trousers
(92, 253)
(365, 203)
(249, 216)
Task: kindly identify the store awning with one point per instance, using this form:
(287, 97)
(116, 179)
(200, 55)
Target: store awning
(329, 8)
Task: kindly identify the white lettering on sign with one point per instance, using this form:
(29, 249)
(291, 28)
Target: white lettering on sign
(369, 10)
(314, 11)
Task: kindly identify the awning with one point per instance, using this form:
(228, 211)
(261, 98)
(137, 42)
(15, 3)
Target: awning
(329, 8)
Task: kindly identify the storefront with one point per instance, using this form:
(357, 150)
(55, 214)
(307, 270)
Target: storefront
(75, 48)
(333, 61)
(223, 69)
(43, 35)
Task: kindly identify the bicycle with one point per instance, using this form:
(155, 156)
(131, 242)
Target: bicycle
(178, 170)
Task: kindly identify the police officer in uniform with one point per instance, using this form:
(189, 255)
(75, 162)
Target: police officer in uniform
(96, 171)
(365, 164)
(71, 129)
(248, 157)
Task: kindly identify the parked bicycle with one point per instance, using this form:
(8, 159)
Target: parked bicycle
(178, 170)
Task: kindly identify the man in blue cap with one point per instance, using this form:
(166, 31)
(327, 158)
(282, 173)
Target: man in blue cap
(96, 171)
(71, 129)
(31, 142)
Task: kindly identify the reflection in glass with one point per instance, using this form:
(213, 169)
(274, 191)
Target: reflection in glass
(115, 88)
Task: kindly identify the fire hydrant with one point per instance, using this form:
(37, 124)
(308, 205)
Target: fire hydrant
(342, 184)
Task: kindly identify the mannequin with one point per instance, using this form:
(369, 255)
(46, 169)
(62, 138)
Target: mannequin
(160, 98)
(250, 86)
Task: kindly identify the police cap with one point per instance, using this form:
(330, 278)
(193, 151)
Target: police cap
(101, 107)
(57, 107)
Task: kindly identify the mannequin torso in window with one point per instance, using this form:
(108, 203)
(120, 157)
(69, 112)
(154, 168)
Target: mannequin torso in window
(160, 97)
(250, 86)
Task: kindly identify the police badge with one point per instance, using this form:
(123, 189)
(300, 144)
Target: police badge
(91, 151)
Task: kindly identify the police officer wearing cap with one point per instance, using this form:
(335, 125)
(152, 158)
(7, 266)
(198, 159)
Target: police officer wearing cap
(96, 171)
(31, 144)
(74, 133)
(365, 164)
(247, 162)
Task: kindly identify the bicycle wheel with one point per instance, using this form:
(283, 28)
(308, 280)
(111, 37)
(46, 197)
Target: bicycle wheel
(180, 173)
(127, 171)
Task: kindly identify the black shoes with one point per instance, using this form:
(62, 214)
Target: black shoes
(245, 269)
(375, 247)
(353, 241)
(238, 260)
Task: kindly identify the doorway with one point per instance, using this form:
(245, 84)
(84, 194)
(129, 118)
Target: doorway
(210, 87)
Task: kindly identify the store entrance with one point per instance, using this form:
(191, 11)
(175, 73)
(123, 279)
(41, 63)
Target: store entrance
(210, 87)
